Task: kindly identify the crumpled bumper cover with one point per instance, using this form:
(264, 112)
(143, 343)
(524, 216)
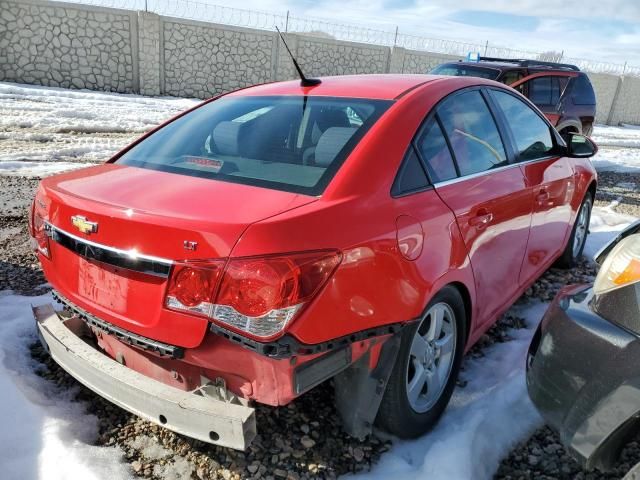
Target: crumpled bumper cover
(201, 417)
(583, 375)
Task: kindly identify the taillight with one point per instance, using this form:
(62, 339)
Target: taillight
(40, 235)
(258, 295)
(192, 286)
(30, 218)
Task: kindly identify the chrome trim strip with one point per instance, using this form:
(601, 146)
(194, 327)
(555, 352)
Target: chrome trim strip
(130, 260)
(490, 171)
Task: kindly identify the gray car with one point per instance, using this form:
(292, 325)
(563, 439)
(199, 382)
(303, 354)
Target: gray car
(583, 367)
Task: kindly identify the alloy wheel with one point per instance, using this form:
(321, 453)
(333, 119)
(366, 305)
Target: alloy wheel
(582, 224)
(431, 357)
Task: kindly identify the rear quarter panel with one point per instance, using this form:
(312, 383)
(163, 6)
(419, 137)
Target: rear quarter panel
(375, 284)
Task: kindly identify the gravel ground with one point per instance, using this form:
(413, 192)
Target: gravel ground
(304, 439)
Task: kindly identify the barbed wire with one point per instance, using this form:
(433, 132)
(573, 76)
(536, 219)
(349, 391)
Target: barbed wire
(197, 10)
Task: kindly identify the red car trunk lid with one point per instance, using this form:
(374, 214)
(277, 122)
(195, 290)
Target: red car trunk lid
(148, 215)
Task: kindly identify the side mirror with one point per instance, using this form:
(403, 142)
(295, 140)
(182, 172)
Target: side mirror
(579, 146)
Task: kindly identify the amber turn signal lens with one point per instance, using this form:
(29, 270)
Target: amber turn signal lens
(621, 267)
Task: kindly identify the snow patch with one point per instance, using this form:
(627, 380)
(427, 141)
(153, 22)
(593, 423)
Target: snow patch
(38, 169)
(48, 124)
(178, 469)
(150, 448)
(44, 434)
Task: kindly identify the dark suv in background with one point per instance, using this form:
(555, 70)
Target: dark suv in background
(561, 91)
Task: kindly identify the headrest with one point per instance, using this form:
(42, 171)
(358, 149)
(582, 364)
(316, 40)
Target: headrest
(326, 118)
(330, 144)
(227, 138)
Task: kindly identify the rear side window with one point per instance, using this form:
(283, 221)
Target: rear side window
(411, 177)
(472, 132)
(435, 152)
(291, 143)
(582, 91)
(531, 133)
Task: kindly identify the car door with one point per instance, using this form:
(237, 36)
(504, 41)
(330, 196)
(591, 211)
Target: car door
(546, 91)
(548, 177)
(486, 193)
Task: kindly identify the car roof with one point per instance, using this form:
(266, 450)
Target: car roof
(376, 86)
(489, 65)
(505, 66)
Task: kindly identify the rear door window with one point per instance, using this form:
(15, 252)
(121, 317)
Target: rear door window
(292, 143)
(532, 134)
(546, 91)
(435, 152)
(472, 132)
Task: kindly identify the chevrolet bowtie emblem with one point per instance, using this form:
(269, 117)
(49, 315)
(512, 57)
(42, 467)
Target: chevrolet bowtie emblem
(84, 225)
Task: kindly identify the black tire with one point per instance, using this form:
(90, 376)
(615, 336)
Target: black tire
(396, 415)
(570, 256)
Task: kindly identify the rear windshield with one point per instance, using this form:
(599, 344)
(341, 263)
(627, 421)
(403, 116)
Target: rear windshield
(583, 93)
(465, 71)
(292, 143)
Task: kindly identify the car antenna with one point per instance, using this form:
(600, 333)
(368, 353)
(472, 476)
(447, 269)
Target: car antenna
(304, 81)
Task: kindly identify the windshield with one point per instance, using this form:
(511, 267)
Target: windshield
(465, 71)
(292, 143)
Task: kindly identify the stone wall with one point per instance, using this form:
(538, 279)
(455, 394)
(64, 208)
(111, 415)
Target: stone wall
(66, 46)
(323, 57)
(203, 60)
(81, 46)
(423, 62)
(626, 107)
(149, 54)
(605, 86)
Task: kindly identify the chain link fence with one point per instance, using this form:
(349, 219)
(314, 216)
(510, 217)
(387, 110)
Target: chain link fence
(197, 10)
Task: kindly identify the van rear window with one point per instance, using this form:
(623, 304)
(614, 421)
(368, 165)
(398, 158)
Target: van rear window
(583, 93)
(292, 143)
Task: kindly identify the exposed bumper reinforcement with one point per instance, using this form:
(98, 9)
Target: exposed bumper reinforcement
(197, 416)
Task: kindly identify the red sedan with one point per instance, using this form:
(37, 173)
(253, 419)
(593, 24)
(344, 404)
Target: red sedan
(367, 229)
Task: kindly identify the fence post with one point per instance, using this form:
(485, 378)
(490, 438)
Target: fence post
(149, 53)
(395, 38)
(286, 23)
(614, 102)
(486, 46)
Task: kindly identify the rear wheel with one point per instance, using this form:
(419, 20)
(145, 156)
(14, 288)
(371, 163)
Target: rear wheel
(578, 237)
(426, 368)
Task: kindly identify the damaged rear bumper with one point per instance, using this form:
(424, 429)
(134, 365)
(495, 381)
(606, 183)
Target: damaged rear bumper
(190, 413)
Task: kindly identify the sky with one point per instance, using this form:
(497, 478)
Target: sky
(603, 30)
